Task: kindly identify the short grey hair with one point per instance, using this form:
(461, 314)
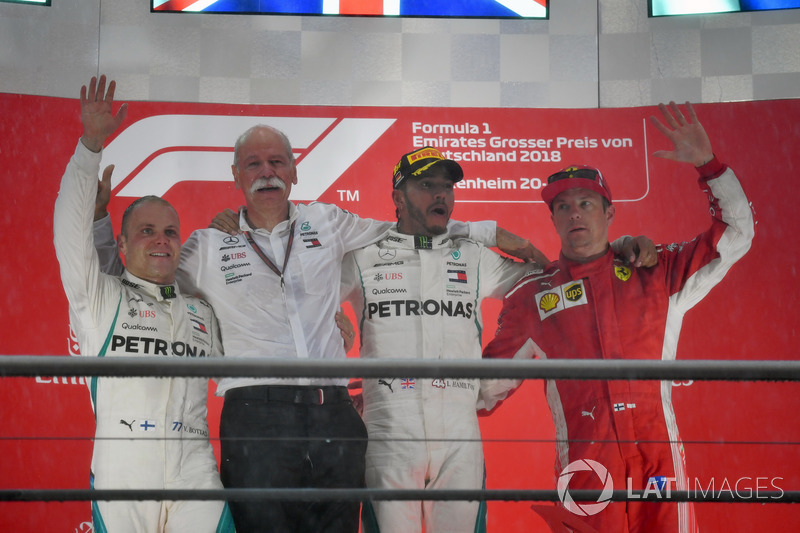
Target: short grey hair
(244, 136)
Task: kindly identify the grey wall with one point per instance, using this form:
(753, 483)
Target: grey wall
(591, 53)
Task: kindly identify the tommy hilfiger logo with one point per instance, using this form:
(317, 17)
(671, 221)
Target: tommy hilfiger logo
(457, 276)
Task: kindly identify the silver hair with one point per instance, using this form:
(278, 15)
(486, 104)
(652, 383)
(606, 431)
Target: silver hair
(244, 136)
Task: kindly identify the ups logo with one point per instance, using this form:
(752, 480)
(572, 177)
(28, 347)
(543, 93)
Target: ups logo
(574, 292)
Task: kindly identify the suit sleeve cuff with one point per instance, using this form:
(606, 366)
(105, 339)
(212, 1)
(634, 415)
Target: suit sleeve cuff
(712, 169)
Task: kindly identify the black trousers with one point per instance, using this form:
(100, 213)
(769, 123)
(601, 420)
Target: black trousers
(292, 437)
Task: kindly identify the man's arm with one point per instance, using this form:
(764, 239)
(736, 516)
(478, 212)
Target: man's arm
(512, 340)
(519, 247)
(226, 221)
(355, 232)
(696, 266)
(485, 232)
(72, 224)
(104, 243)
(489, 234)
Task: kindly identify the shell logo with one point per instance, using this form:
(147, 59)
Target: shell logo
(549, 301)
(585, 509)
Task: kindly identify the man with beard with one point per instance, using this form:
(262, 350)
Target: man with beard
(417, 295)
(272, 280)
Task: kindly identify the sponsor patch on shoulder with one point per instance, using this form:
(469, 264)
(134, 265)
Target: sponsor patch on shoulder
(551, 301)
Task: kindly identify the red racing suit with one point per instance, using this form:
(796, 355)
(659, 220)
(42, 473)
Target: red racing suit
(607, 310)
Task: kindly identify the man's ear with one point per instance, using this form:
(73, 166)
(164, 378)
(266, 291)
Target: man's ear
(294, 173)
(610, 212)
(398, 198)
(122, 245)
(235, 173)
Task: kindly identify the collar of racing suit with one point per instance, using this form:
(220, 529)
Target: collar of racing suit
(395, 239)
(581, 270)
(157, 292)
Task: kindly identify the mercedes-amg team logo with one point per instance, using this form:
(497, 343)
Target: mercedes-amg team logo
(387, 254)
(585, 509)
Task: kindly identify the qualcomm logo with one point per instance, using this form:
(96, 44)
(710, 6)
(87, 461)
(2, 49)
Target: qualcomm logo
(585, 509)
(155, 153)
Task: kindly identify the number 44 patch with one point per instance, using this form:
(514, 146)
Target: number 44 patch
(439, 383)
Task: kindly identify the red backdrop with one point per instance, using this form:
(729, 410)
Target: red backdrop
(734, 431)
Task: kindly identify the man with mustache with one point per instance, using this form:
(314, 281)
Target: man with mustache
(273, 281)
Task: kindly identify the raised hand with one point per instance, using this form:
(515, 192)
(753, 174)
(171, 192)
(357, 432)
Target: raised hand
(689, 139)
(99, 122)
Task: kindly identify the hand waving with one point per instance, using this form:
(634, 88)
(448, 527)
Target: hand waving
(690, 141)
(96, 113)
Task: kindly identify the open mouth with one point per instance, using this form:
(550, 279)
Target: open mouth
(439, 210)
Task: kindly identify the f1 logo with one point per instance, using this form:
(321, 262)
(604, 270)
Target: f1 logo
(155, 153)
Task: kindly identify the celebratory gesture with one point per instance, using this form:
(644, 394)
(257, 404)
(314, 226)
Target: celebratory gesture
(151, 433)
(96, 113)
(689, 138)
(579, 308)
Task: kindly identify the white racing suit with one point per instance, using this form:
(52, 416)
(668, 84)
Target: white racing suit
(151, 433)
(416, 303)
